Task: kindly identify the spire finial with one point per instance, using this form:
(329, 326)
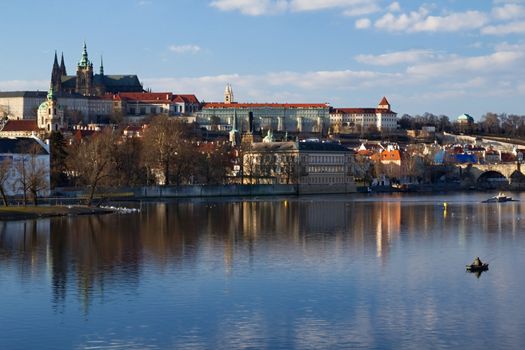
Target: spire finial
(84, 61)
(101, 65)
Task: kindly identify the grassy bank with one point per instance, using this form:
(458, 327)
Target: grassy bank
(32, 212)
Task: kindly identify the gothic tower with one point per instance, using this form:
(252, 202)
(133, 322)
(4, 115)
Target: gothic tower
(84, 84)
(228, 94)
(62, 66)
(56, 77)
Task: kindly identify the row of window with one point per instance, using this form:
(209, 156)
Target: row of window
(327, 180)
(326, 169)
(326, 159)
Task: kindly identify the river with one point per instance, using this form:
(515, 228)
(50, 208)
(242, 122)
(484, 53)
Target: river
(320, 272)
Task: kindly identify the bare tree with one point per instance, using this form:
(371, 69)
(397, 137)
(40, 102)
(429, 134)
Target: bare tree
(91, 162)
(5, 172)
(22, 181)
(165, 149)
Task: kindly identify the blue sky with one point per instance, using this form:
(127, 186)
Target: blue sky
(446, 57)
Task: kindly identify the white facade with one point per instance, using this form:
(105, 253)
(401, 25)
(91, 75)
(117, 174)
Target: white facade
(34, 158)
(20, 104)
(382, 117)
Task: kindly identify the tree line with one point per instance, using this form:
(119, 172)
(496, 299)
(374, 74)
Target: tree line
(169, 153)
(509, 125)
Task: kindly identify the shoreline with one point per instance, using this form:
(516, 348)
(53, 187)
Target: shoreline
(15, 213)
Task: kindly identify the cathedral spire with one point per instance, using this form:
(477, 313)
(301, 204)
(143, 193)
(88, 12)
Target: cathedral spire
(56, 79)
(62, 66)
(101, 65)
(55, 62)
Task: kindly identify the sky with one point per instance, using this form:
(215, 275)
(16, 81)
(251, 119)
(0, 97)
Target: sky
(445, 57)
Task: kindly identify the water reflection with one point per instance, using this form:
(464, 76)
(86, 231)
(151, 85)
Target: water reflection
(223, 271)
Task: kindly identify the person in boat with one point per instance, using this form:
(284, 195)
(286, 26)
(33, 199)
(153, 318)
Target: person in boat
(477, 262)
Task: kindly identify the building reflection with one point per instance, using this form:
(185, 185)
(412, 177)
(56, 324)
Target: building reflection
(86, 256)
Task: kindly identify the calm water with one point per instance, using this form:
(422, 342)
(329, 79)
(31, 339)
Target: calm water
(297, 273)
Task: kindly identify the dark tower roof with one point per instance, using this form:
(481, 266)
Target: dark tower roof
(56, 79)
(62, 66)
(55, 62)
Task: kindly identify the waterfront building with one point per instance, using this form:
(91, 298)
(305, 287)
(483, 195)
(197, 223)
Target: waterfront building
(28, 157)
(381, 118)
(283, 117)
(303, 163)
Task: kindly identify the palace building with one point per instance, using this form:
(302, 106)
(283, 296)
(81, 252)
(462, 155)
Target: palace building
(283, 117)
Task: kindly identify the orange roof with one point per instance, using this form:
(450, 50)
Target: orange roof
(384, 101)
(21, 125)
(385, 155)
(259, 105)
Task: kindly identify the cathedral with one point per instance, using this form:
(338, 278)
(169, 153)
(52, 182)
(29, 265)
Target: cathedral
(87, 83)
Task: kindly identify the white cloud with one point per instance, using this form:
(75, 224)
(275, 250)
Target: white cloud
(508, 11)
(181, 49)
(504, 29)
(394, 7)
(499, 61)
(396, 58)
(268, 7)
(363, 23)
(422, 21)
(23, 85)
(252, 7)
(311, 5)
(361, 10)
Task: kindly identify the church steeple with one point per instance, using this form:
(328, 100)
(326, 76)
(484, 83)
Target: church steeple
(228, 94)
(62, 66)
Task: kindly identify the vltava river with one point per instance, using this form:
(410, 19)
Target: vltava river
(382, 271)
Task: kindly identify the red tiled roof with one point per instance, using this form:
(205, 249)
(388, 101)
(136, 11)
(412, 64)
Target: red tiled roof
(258, 105)
(384, 101)
(147, 96)
(186, 99)
(358, 111)
(21, 125)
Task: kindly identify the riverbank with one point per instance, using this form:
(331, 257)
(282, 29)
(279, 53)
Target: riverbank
(32, 212)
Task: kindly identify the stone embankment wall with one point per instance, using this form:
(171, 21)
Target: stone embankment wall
(196, 191)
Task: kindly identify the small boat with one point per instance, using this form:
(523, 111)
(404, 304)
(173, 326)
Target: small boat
(477, 268)
(500, 198)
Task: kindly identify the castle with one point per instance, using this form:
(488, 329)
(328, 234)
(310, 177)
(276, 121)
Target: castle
(87, 83)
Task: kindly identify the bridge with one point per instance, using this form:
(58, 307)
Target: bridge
(493, 175)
